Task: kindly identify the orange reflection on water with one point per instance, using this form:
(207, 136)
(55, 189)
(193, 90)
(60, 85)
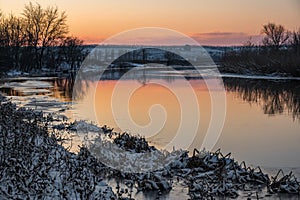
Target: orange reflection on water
(140, 105)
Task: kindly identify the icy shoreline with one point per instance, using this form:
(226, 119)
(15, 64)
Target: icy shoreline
(34, 164)
(206, 71)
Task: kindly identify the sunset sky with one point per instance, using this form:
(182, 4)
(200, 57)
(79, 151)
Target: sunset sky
(210, 22)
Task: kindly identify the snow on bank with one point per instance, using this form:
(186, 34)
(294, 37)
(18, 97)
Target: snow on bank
(16, 73)
(205, 174)
(265, 77)
(33, 165)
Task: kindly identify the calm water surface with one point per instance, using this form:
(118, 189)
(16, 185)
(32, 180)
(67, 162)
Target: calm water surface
(262, 124)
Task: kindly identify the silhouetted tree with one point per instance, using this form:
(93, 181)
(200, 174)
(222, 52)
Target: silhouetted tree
(275, 35)
(12, 37)
(25, 40)
(249, 42)
(72, 51)
(295, 40)
(44, 28)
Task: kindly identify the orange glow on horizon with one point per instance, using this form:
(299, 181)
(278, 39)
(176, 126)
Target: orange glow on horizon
(234, 20)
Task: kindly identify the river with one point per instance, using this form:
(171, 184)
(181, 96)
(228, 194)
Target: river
(261, 126)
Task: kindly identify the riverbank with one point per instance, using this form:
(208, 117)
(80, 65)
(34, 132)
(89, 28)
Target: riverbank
(262, 61)
(34, 164)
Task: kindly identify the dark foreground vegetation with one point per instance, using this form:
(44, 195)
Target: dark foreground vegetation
(279, 54)
(34, 165)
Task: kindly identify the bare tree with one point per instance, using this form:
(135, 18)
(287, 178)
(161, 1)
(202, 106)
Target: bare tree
(249, 42)
(295, 40)
(72, 51)
(17, 33)
(275, 35)
(45, 27)
(12, 37)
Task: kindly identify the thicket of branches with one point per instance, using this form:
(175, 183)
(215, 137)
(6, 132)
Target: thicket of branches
(279, 53)
(37, 39)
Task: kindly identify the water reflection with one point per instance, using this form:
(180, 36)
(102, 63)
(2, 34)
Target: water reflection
(274, 97)
(145, 63)
(61, 88)
(65, 85)
(250, 134)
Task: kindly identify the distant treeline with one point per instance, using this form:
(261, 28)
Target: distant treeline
(37, 38)
(278, 54)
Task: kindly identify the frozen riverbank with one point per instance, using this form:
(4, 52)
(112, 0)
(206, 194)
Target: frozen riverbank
(34, 164)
